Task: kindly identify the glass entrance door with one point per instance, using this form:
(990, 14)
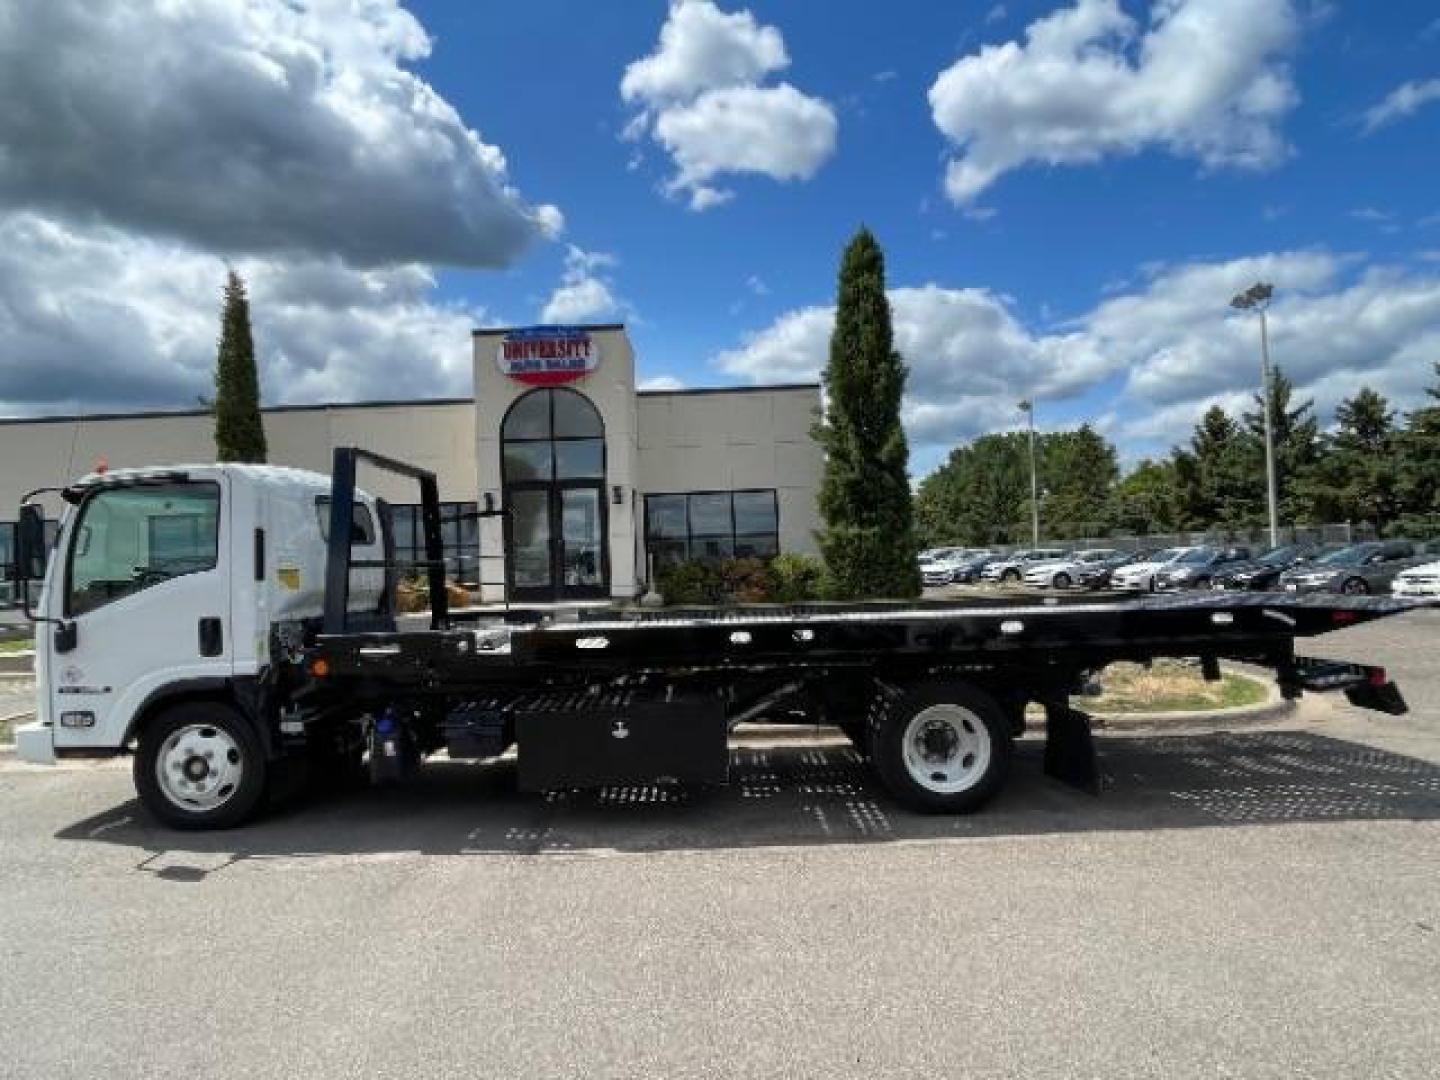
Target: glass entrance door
(557, 545)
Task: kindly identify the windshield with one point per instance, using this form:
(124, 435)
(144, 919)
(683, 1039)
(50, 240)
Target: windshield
(1094, 556)
(1199, 555)
(1350, 556)
(1164, 555)
(133, 537)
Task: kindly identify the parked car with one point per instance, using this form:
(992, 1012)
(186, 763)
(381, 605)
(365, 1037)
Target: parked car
(1011, 568)
(937, 554)
(1140, 576)
(1067, 572)
(1263, 572)
(970, 568)
(942, 570)
(1195, 569)
(1370, 567)
(1418, 581)
(1097, 575)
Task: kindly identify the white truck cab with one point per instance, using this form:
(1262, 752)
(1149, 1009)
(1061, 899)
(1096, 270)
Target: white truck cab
(168, 586)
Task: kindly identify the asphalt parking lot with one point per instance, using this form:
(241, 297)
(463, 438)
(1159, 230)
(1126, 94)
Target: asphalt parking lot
(1256, 903)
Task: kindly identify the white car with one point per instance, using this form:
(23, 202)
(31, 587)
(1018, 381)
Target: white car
(940, 569)
(1063, 573)
(1418, 581)
(1140, 577)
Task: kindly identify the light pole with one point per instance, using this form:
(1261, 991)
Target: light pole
(1257, 298)
(1028, 408)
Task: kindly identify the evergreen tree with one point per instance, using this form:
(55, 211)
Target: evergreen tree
(869, 538)
(239, 433)
(1078, 473)
(1225, 488)
(1419, 468)
(1147, 499)
(1297, 446)
(1360, 469)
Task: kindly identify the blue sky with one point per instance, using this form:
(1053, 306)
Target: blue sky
(1084, 255)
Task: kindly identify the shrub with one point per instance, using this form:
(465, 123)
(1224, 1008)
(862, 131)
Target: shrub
(690, 583)
(747, 581)
(797, 578)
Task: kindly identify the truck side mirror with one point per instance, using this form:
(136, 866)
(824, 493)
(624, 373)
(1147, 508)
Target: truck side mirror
(30, 545)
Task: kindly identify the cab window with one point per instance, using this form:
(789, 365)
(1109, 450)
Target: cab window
(135, 537)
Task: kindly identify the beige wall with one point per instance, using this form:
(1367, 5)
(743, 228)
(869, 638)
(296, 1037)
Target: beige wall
(435, 435)
(728, 440)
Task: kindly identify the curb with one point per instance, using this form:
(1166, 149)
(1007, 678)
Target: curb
(21, 663)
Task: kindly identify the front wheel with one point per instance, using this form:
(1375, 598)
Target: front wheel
(1010, 576)
(1061, 580)
(1355, 587)
(200, 766)
(942, 748)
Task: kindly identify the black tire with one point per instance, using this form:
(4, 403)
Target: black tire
(1061, 580)
(249, 789)
(888, 747)
(1010, 576)
(1201, 583)
(1355, 587)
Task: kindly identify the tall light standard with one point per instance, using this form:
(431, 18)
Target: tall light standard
(1028, 408)
(1257, 298)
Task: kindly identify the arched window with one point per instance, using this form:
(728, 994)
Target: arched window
(552, 434)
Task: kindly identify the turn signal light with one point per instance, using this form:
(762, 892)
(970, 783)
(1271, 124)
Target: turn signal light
(319, 667)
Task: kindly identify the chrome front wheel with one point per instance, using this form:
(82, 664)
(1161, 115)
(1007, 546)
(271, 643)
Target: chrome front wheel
(199, 767)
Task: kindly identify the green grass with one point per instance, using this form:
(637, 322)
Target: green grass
(16, 646)
(1171, 686)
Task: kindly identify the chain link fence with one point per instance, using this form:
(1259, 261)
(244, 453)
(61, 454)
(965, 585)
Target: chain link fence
(1257, 538)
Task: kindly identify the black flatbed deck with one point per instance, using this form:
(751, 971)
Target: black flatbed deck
(1006, 630)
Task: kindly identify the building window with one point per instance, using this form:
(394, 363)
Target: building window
(712, 525)
(553, 435)
(459, 536)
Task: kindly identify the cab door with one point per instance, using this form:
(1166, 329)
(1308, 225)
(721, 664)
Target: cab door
(143, 589)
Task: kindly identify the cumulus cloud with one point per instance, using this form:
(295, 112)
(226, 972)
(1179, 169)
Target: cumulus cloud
(701, 96)
(262, 128)
(585, 292)
(1163, 350)
(91, 317)
(1206, 79)
(1402, 102)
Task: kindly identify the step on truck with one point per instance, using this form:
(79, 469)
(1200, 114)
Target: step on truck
(234, 629)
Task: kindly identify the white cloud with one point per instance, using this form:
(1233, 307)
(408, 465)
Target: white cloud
(96, 318)
(585, 292)
(263, 128)
(661, 382)
(1163, 350)
(700, 96)
(1402, 102)
(756, 284)
(1206, 79)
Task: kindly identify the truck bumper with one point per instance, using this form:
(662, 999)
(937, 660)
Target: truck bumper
(34, 743)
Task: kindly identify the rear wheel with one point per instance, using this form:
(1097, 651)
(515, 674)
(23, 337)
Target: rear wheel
(942, 748)
(1010, 576)
(1061, 580)
(199, 766)
(1355, 587)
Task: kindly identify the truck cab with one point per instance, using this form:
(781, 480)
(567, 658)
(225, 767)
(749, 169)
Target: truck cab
(168, 586)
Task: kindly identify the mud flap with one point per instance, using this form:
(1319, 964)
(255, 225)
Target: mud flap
(1070, 750)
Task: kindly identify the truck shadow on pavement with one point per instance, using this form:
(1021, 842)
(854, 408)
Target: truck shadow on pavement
(806, 794)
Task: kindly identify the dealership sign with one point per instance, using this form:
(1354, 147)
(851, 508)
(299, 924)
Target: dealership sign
(548, 355)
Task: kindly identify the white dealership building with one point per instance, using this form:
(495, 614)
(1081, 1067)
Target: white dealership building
(595, 477)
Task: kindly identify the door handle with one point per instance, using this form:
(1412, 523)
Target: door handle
(212, 636)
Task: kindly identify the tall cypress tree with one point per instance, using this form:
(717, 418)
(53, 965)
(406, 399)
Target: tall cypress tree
(239, 434)
(869, 537)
